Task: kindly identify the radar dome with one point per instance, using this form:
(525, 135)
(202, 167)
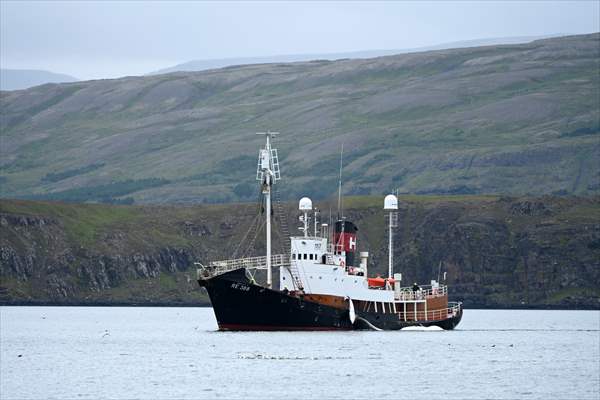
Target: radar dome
(305, 204)
(390, 202)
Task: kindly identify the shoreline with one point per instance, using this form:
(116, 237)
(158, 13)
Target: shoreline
(208, 305)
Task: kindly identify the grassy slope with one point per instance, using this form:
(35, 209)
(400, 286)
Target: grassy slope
(502, 119)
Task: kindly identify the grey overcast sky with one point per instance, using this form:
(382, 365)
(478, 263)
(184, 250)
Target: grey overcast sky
(105, 39)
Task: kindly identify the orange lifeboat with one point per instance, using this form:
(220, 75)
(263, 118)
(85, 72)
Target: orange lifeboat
(380, 282)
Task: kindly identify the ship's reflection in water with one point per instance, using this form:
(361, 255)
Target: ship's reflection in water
(176, 353)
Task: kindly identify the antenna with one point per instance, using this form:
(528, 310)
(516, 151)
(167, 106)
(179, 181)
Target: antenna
(268, 160)
(340, 205)
(330, 224)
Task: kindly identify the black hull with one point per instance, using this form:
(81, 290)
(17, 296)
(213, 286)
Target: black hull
(241, 305)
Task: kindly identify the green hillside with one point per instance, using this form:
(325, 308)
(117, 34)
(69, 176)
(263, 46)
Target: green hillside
(513, 119)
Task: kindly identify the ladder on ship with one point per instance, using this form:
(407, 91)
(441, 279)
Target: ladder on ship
(283, 224)
(275, 164)
(286, 242)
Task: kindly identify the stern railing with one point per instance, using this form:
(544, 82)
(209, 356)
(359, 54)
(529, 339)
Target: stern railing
(431, 315)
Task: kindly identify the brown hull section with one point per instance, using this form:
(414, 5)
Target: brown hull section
(434, 309)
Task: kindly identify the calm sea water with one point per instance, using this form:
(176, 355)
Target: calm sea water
(176, 353)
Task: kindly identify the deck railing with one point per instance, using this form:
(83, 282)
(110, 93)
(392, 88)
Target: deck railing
(425, 292)
(223, 266)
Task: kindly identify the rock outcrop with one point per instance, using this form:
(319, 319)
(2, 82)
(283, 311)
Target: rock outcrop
(494, 252)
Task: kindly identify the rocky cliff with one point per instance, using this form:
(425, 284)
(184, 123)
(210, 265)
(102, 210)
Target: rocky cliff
(496, 252)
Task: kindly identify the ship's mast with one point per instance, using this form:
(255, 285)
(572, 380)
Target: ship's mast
(340, 206)
(390, 204)
(268, 173)
(305, 205)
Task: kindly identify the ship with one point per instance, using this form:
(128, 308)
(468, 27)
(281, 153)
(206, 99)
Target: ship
(324, 282)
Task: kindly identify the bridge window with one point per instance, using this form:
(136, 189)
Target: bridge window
(293, 256)
(310, 256)
(305, 256)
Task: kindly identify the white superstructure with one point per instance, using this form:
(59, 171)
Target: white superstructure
(320, 267)
(325, 273)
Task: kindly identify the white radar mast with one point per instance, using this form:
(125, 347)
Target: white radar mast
(305, 205)
(390, 204)
(267, 172)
